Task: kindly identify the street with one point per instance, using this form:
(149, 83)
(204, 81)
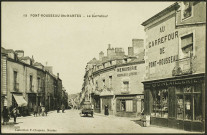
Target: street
(71, 122)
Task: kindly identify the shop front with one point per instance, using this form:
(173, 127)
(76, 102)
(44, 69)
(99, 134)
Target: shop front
(19, 102)
(177, 102)
(96, 101)
(32, 98)
(126, 105)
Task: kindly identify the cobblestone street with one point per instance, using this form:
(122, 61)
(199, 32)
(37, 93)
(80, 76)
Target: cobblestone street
(71, 122)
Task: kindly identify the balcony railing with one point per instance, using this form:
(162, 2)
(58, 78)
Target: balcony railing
(16, 86)
(183, 66)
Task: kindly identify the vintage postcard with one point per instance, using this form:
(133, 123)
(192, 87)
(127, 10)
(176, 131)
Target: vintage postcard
(103, 67)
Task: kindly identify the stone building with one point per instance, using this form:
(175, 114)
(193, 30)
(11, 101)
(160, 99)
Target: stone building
(24, 82)
(115, 80)
(175, 66)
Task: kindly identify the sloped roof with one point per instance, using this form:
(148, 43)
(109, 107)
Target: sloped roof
(3, 50)
(37, 64)
(166, 10)
(25, 58)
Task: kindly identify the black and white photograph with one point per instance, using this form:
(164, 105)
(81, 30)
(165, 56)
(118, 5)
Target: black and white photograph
(103, 67)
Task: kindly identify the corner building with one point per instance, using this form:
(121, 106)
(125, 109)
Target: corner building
(174, 87)
(115, 80)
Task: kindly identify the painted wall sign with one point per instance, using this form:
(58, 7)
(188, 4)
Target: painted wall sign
(129, 68)
(163, 39)
(127, 74)
(163, 61)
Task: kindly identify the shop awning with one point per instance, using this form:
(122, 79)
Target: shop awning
(20, 100)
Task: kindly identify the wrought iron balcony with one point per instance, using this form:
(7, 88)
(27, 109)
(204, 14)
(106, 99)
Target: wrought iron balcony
(183, 66)
(16, 87)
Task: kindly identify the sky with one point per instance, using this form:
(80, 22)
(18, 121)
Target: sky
(68, 43)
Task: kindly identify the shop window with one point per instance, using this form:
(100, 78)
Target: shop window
(187, 45)
(123, 105)
(160, 103)
(129, 106)
(197, 107)
(188, 89)
(179, 90)
(188, 108)
(180, 107)
(198, 88)
(126, 105)
(164, 103)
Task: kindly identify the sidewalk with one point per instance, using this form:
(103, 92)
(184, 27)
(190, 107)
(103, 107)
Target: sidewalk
(150, 127)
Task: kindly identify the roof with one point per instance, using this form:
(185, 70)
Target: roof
(3, 50)
(37, 64)
(161, 13)
(9, 50)
(25, 58)
(19, 51)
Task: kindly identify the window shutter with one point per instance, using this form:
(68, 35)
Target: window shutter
(117, 105)
(134, 105)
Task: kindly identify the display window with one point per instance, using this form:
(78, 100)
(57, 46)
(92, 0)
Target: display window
(160, 103)
(189, 102)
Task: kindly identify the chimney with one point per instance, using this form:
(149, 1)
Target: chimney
(138, 45)
(109, 46)
(20, 53)
(57, 75)
(101, 55)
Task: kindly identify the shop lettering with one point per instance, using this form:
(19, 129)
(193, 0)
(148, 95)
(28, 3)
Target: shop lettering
(163, 39)
(127, 74)
(127, 68)
(163, 61)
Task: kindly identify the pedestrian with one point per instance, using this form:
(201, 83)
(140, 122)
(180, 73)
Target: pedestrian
(58, 109)
(106, 110)
(63, 108)
(14, 112)
(46, 110)
(43, 110)
(39, 110)
(5, 115)
(35, 110)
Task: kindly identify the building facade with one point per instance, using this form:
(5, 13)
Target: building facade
(114, 81)
(174, 85)
(25, 83)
